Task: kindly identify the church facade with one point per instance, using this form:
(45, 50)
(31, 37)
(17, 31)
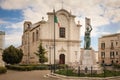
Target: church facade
(67, 38)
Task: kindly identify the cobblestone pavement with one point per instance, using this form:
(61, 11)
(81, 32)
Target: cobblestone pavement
(26, 75)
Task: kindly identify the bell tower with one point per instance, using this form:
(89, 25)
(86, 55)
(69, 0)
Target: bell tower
(27, 25)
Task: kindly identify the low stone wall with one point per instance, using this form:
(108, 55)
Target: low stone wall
(62, 77)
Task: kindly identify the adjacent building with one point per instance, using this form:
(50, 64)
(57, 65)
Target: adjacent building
(109, 49)
(2, 41)
(67, 38)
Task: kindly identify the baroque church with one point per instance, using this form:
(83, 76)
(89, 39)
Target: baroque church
(67, 39)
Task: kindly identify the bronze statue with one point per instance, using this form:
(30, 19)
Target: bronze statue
(87, 39)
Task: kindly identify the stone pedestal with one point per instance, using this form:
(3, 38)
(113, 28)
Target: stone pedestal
(88, 62)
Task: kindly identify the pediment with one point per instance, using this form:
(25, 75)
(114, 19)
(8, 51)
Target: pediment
(62, 50)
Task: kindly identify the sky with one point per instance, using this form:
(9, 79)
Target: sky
(104, 15)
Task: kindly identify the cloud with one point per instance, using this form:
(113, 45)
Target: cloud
(101, 12)
(14, 34)
(34, 10)
(18, 25)
(112, 10)
(15, 4)
(13, 39)
(3, 22)
(33, 15)
(112, 3)
(118, 31)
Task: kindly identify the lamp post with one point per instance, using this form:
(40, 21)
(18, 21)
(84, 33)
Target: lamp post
(25, 57)
(104, 68)
(50, 47)
(78, 70)
(91, 70)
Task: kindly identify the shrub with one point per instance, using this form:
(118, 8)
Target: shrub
(117, 66)
(27, 67)
(12, 55)
(3, 70)
(41, 54)
(40, 67)
(62, 66)
(19, 68)
(70, 72)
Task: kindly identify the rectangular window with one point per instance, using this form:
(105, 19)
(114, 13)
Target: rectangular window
(112, 46)
(112, 54)
(37, 35)
(102, 45)
(102, 54)
(62, 32)
(33, 36)
(116, 43)
(116, 53)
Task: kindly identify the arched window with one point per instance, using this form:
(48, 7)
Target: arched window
(37, 35)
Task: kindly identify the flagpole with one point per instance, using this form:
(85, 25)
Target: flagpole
(54, 40)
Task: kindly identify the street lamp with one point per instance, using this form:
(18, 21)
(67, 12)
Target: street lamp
(104, 68)
(50, 47)
(91, 70)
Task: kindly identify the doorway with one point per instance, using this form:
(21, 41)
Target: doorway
(62, 59)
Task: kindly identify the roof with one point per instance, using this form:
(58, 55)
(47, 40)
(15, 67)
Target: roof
(110, 35)
(37, 24)
(69, 13)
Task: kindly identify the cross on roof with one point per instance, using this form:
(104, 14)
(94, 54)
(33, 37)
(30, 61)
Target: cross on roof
(62, 4)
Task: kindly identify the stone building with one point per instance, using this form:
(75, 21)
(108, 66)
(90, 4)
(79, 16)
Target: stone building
(67, 38)
(2, 41)
(109, 49)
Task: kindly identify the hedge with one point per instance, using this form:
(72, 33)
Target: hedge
(117, 66)
(3, 70)
(71, 73)
(27, 67)
(61, 66)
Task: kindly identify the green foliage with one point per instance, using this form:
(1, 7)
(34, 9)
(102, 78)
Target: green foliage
(19, 68)
(116, 66)
(3, 70)
(41, 54)
(27, 67)
(69, 72)
(66, 72)
(62, 66)
(12, 55)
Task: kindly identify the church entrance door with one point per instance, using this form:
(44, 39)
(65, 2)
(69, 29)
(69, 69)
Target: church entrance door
(62, 59)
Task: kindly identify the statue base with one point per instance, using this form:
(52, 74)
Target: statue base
(88, 62)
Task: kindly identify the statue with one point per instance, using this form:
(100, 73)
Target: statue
(87, 39)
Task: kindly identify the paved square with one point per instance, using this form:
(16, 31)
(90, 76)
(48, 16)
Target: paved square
(26, 75)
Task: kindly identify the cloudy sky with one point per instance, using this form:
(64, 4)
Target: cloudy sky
(104, 14)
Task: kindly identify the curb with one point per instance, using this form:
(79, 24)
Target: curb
(61, 77)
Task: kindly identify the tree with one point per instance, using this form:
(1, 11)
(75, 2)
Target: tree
(12, 55)
(41, 54)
